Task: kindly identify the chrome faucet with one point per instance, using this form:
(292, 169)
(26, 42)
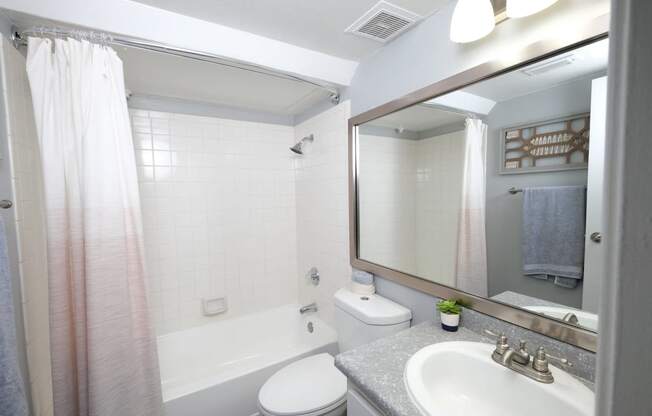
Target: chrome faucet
(308, 308)
(571, 318)
(532, 366)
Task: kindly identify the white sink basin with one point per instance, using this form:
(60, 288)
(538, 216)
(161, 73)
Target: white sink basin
(587, 320)
(461, 379)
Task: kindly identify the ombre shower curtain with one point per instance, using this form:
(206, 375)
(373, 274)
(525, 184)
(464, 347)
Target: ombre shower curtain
(471, 270)
(104, 358)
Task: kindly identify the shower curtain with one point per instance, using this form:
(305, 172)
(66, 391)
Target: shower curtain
(104, 359)
(471, 270)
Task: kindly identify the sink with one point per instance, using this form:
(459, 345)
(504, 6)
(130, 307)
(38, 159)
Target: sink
(587, 320)
(461, 379)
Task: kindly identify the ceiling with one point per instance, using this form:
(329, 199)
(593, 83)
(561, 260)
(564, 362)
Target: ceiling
(588, 60)
(168, 76)
(312, 24)
(418, 118)
(158, 74)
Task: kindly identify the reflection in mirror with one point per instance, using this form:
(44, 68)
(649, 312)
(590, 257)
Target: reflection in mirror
(495, 189)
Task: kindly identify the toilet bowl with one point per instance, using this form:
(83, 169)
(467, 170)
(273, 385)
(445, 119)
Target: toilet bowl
(313, 386)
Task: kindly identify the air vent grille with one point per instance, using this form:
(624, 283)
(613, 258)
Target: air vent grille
(383, 22)
(383, 25)
(548, 66)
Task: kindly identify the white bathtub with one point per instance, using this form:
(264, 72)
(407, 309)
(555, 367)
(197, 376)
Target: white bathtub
(217, 369)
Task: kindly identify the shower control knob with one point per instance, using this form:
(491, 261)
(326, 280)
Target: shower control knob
(313, 274)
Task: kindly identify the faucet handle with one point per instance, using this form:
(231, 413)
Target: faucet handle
(541, 359)
(501, 341)
(492, 333)
(560, 360)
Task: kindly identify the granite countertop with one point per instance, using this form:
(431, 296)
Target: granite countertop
(376, 369)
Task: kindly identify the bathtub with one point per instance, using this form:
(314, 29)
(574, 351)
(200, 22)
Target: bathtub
(217, 369)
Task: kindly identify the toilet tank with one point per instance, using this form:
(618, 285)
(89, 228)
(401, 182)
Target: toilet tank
(361, 319)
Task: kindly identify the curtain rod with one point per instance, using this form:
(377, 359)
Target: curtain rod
(19, 38)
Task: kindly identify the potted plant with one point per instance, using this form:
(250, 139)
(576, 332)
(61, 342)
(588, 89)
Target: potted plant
(450, 311)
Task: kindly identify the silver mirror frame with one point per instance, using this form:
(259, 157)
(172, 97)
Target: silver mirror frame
(550, 327)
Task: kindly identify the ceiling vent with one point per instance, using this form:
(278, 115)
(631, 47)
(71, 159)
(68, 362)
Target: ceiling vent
(383, 22)
(547, 66)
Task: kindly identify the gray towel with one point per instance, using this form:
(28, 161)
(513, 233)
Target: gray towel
(553, 233)
(12, 395)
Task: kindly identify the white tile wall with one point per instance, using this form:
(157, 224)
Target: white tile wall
(410, 195)
(30, 225)
(440, 167)
(388, 192)
(322, 207)
(218, 201)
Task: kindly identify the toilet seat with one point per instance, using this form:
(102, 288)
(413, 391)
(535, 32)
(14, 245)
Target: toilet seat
(308, 387)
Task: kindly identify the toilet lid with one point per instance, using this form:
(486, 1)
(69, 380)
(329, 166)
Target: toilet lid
(304, 386)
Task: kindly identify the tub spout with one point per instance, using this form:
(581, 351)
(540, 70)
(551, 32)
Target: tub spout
(308, 308)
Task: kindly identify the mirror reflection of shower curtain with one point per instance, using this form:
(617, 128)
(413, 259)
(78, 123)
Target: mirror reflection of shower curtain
(103, 348)
(471, 265)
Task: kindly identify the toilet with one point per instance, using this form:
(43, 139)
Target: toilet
(313, 386)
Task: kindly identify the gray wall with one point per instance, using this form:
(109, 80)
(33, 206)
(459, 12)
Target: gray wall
(625, 366)
(504, 211)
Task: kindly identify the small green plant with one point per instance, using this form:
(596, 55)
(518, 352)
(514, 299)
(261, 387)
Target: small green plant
(449, 306)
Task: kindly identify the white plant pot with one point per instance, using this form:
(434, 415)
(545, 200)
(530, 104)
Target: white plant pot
(449, 322)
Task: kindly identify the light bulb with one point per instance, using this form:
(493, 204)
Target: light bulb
(472, 20)
(522, 8)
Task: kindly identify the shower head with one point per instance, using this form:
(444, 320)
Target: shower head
(297, 148)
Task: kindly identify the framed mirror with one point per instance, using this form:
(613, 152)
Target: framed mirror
(488, 187)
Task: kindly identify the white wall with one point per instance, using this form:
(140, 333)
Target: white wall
(388, 194)
(218, 200)
(29, 224)
(322, 208)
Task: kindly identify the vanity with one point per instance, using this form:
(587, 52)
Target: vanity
(378, 373)
(486, 189)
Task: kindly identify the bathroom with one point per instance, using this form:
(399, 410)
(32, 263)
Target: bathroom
(298, 208)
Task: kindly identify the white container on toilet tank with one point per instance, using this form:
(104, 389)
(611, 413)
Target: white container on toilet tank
(361, 319)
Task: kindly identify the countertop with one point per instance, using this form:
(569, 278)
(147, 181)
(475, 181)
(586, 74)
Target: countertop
(376, 369)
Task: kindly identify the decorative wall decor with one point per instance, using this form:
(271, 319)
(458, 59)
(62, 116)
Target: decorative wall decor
(559, 144)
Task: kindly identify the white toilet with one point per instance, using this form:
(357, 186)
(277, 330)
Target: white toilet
(313, 386)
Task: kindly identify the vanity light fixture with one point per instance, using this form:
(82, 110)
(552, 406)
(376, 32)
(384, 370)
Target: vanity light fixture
(472, 20)
(522, 8)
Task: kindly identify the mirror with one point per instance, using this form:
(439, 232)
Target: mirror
(495, 189)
